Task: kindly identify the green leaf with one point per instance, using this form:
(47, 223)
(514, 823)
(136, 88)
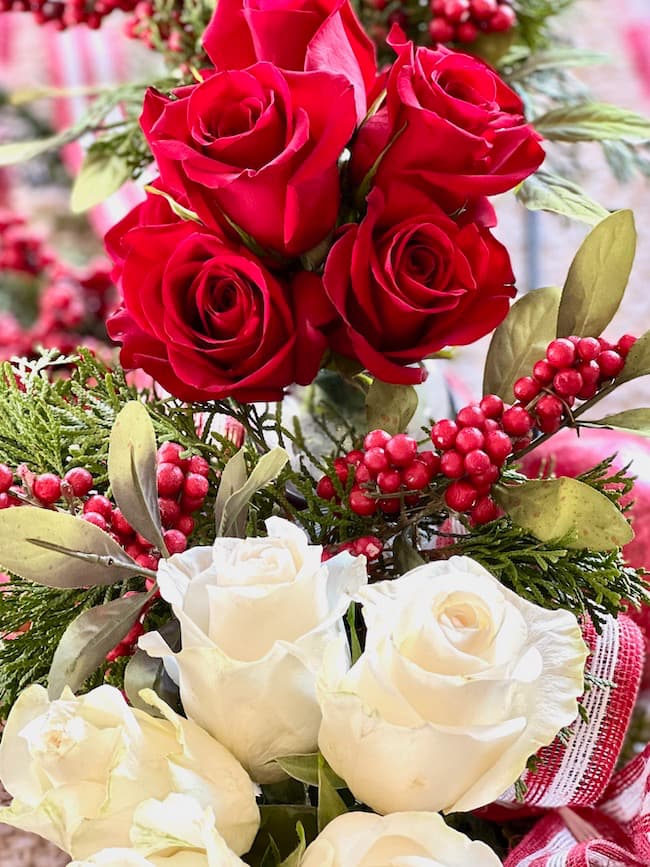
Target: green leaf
(330, 803)
(294, 859)
(21, 151)
(145, 672)
(406, 557)
(593, 121)
(233, 478)
(568, 510)
(132, 471)
(305, 768)
(87, 640)
(637, 362)
(544, 191)
(521, 340)
(279, 824)
(59, 550)
(635, 420)
(269, 466)
(390, 407)
(598, 277)
(178, 209)
(355, 644)
(103, 172)
(554, 58)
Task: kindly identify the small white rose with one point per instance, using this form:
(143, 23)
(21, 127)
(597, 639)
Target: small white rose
(176, 832)
(257, 617)
(460, 682)
(400, 840)
(77, 769)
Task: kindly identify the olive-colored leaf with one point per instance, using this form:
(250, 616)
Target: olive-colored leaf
(637, 362)
(355, 645)
(390, 407)
(87, 640)
(406, 557)
(269, 466)
(598, 277)
(178, 209)
(59, 550)
(294, 859)
(593, 121)
(21, 151)
(102, 173)
(145, 672)
(544, 191)
(279, 824)
(330, 803)
(566, 509)
(233, 478)
(521, 340)
(635, 420)
(132, 471)
(305, 768)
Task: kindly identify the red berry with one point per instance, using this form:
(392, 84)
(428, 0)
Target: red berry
(443, 433)
(549, 406)
(361, 503)
(498, 445)
(96, 519)
(483, 9)
(477, 462)
(185, 525)
(189, 504)
(588, 348)
(626, 343)
(502, 20)
(457, 10)
(170, 479)
(170, 453)
(325, 488)
(468, 439)
(375, 459)
(416, 477)
(195, 486)
(517, 421)
(567, 383)
(561, 352)
(169, 512)
(467, 32)
(401, 449)
(354, 457)
(5, 502)
(483, 482)
(389, 505)
(362, 474)
(549, 424)
(470, 416)
(376, 439)
(175, 541)
(526, 388)
(490, 425)
(441, 30)
(341, 470)
(543, 372)
(47, 488)
(134, 550)
(147, 561)
(143, 542)
(460, 496)
(590, 372)
(99, 503)
(610, 363)
(431, 461)
(484, 511)
(80, 481)
(438, 7)
(6, 478)
(120, 525)
(198, 464)
(587, 391)
(370, 546)
(389, 481)
(492, 406)
(604, 344)
(452, 465)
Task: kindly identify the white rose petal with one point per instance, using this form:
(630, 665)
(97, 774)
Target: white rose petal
(461, 681)
(78, 768)
(257, 618)
(409, 839)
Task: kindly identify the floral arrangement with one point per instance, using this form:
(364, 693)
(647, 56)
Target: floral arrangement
(260, 608)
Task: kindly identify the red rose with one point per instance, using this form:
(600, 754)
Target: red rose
(453, 123)
(202, 315)
(257, 147)
(408, 280)
(294, 34)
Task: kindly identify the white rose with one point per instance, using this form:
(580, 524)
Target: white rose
(460, 682)
(398, 840)
(78, 768)
(257, 616)
(176, 832)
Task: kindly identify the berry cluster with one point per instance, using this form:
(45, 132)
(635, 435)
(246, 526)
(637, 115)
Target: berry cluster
(370, 546)
(67, 13)
(173, 28)
(464, 20)
(388, 470)
(182, 489)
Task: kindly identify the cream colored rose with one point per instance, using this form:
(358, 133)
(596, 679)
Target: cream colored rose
(176, 832)
(257, 616)
(398, 840)
(78, 768)
(460, 682)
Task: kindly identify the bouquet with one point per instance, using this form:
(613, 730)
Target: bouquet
(260, 608)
